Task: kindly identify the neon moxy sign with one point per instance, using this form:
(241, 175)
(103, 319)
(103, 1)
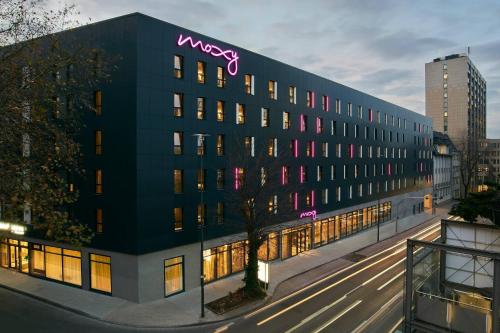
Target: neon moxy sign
(230, 55)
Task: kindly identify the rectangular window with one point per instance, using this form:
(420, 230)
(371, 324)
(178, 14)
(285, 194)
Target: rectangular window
(220, 111)
(370, 115)
(98, 102)
(200, 108)
(333, 172)
(174, 275)
(249, 143)
(272, 147)
(325, 103)
(98, 142)
(324, 149)
(273, 204)
(319, 173)
(178, 66)
(264, 117)
(286, 120)
(249, 84)
(98, 221)
(294, 147)
(310, 99)
(178, 219)
(220, 179)
(303, 123)
(178, 181)
(100, 273)
(319, 125)
(221, 77)
(201, 72)
(360, 112)
(292, 94)
(240, 114)
(338, 150)
(272, 88)
(178, 104)
(201, 176)
(200, 214)
(324, 196)
(239, 178)
(349, 109)
(333, 129)
(346, 129)
(98, 181)
(285, 175)
(178, 143)
(337, 106)
(220, 145)
(219, 214)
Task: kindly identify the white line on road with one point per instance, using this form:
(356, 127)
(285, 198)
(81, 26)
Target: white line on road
(223, 328)
(390, 281)
(331, 321)
(397, 325)
(377, 314)
(315, 314)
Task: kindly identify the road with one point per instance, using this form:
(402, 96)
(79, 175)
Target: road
(344, 301)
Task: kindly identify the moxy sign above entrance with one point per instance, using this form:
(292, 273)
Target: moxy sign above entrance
(311, 214)
(215, 51)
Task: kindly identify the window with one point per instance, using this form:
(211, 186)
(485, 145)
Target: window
(98, 221)
(346, 129)
(285, 175)
(310, 99)
(325, 103)
(239, 178)
(201, 176)
(178, 181)
(240, 113)
(338, 150)
(178, 104)
(220, 145)
(98, 181)
(98, 102)
(264, 117)
(349, 109)
(339, 194)
(200, 214)
(303, 123)
(57, 264)
(98, 142)
(263, 176)
(360, 190)
(370, 115)
(221, 77)
(178, 218)
(319, 173)
(337, 106)
(200, 109)
(272, 88)
(220, 111)
(333, 129)
(100, 273)
(286, 120)
(201, 72)
(324, 196)
(360, 112)
(178, 67)
(324, 149)
(303, 174)
(292, 94)
(273, 204)
(249, 143)
(220, 175)
(294, 148)
(178, 143)
(272, 147)
(333, 172)
(174, 275)
(219, 214)
(319, 125)
(249, 84)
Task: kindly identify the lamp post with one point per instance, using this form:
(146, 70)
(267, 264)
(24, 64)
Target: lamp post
(200, 143)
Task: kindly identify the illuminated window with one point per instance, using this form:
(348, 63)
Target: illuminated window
(178, 219)
(239, 178)
(338, 150)
(98, 142)
(99, 220)
(333, 172)
(273, 204)
(100, 273)
(294, 148)
(174, 275)
(98, 181)
(219, 213)
(201, 176)
(249, 143)
(221, 77)
(200, 214)
(325, 103)
(98, 102)
(178, 143)
(178, 181)
(319, 173)
(303, 123)
(292, 94)
(310, 99)
(220, 179)
(272, 88)
(219, 148)
(286, 120)
(339, 194)
(201, 72)
(350, 191)
(293, 200)
(303, 173)
(272, 147)
(319, 125)
(264, 117)
(249, 84)
(337, 106)
(285, 175)
(333, 127)
(200, 109)
(360, 190)
(349, 109)
(178, 66)
(324, 149)
(200, 146)
(220, 111)
(240, 113)
(324, 196)
(178, 104)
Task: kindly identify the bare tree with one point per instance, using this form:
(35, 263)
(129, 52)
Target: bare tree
(469, 155)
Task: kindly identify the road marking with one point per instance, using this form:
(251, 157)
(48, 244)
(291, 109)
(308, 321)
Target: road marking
(395, 327)
(432, 226)
(223, 328)
(279, 313)
(390, 281)
(331, 321)
(377, 314)
(383, 272)
(315, 314)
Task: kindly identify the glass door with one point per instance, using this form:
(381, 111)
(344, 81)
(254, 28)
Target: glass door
(14, 257)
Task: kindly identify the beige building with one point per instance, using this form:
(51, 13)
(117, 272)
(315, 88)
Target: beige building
(489, 167)
(455, 94)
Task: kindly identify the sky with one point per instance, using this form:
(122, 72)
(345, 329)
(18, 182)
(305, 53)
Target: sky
(377, 46)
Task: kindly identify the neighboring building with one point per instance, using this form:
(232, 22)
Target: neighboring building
(350, 151)
(455, 98)
(489, 167)
(446, 169)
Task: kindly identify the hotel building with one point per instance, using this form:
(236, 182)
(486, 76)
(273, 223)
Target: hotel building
(350, 152)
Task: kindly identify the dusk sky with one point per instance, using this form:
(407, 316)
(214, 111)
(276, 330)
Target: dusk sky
(379, 47)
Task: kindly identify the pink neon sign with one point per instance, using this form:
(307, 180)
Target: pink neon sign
(310, 213)
(230, 55)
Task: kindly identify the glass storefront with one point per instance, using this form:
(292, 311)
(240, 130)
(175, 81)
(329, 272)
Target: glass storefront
(174, 275)
(295, 240)
(100, 273)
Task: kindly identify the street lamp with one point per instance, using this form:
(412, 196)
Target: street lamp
(200, 143)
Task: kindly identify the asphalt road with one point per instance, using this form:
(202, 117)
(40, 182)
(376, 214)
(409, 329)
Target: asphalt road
(364, 297)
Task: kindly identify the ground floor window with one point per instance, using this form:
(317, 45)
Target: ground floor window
(269, 249)
(100, 273)
(224, 260)
(295, 240)
(174, 275)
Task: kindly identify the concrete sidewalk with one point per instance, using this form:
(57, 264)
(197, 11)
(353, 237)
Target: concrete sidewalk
(183, 309)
